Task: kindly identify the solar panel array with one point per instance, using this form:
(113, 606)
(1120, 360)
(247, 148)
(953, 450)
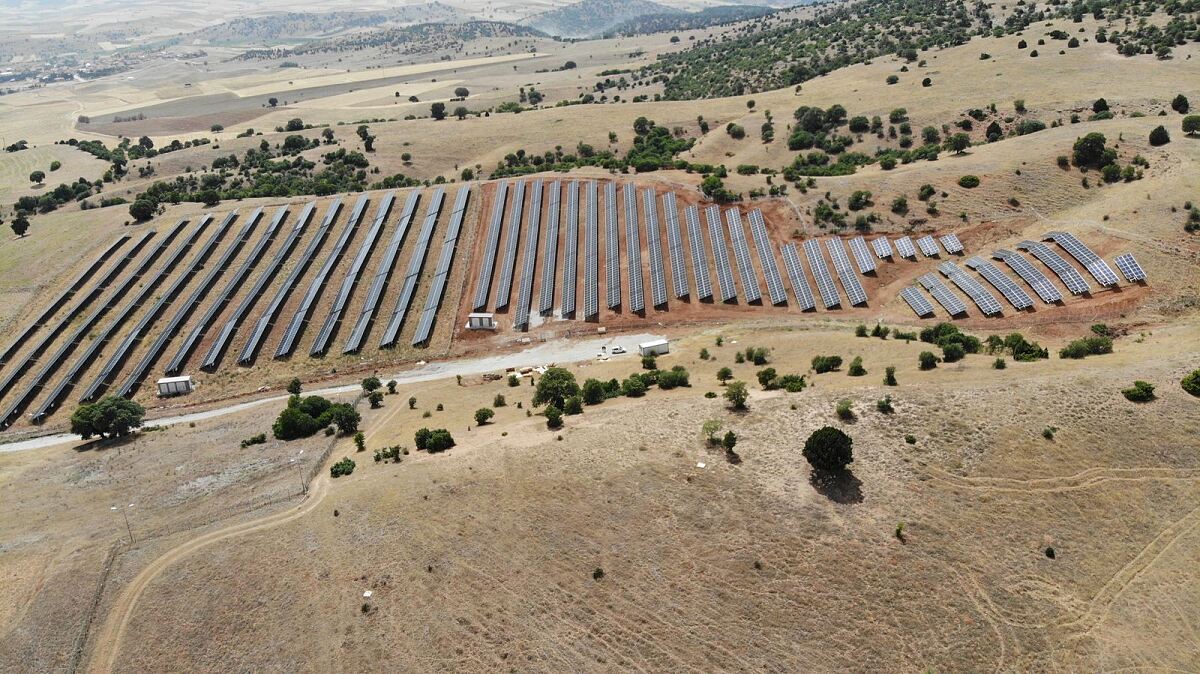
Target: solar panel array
(716, 235)
(1069, 276)
(416, 263)
(679, 282)
(766, 259)
(951, 243)
(529, 266)
(550, 251)
(571, 254)
(920, 306)
(214, 273)
(1030, 274)
(849, 279)
(483, 284)
(658, 274)
(825, 287)
(704, 289)
(1130, 268)
(384, 271)
(1095, 265)
(862, 256)
(791, 262)
(904, 246)
(983, 299)
(1011, 291)
(949, 301)
(612, 248)
(288, 343)
(633, 250)
(437, 286)
(883, 248)
(509, 264)
(591, 256)
(928, 246)
(267, 319)
(321, 344)
(741, 252)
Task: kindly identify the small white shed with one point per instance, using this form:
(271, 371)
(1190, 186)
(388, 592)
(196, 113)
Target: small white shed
(656, 348)
(175, 386)
(481, 321)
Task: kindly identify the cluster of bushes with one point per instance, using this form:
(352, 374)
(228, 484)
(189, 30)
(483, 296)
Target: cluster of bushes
(1015, 344)
(110, 417)
(1087, 346)
(1191, 383)
(771, 380)
(306, 415)
(1140, 392)
(343, 467)
(433, 441)
(390, 454)
(654, 147)
(823, 364)
(754, 354)
(881, 331)
(954, 343)
(259, 439)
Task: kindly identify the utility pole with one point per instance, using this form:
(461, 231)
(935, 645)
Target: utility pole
(125, 514)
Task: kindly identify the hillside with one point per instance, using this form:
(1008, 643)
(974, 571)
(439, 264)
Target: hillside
(674, 21)
(591, 18)
(416, 39)
(267, 30)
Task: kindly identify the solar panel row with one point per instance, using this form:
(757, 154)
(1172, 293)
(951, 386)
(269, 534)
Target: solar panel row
(529, 266)
(741, 252)
(829, 294)
(974, 289)
(883, 248)
(1011, 291)
(904, 246)
(949, 301)
(633, 250)
(1095, 265)
(791, 262)
(766, 259)
(509, 264)
(658, 274)
(591, 256)
(951, 243)
(920, 306)
(716, 235)
(483, 283)
(679, 282)
(383, 272)
(928, 246)
(704, 289)
(612, 248)
(862, 256)
(1130, 268)
(571, 254)
(267, 319)
(849, 279)
(550, 250)
(1030, 274)
(1069, 276)
(416, 263)
(437, 286)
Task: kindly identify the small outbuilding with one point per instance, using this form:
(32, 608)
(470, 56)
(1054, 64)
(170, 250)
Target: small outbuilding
(175, 386)
(656, 348)
(481, 321)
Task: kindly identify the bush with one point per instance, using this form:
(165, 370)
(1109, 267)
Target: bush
(593, 392)
(885, 406)
(553, 417)
(910, 439)
(889, 376)
(927, 360)
(860, 330)
(437, 440)
(483, 415)
(514, 380)
(633, 387)
(259, 439)
(856, 367)
(823, 364)
(375, 398)
(371, 384)
(574, 405)
(649, 363)
(829, 448)
(969, 181)
(412, 403)
(1140, 392)
(675, 377)
(1088, 346)
(724, 375)
(845, 411)
(952, 353)
(343, 467)
(757, 355)
(1159, 136)
(737, 394)
(1191, 383)
(999, 364)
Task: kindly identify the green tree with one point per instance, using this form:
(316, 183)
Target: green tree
(461, 92)
(724, 375)
(829, 449)
(412, 403)
(1191, 383)
(19, 225)
(1191, 125)
(593, 392)
(376, 399)
(461, 112)
(737, 394)
(143, 209)
(295, 124)
(344, 416)
(360, 441)
(958, 143)
(729, 441)
(1090, 150)
(438, 111)
(889, 376)
(37, 177)
(856, 367)
(111, 416)
(371, 383)
(574, 405)
(710, 429)
(927, 360)
(553, 417)
(1159, 136)
(343, 467)
(649, 362)
(482, 415)
(556, 385)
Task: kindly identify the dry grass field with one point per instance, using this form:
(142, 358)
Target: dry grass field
(623, 541)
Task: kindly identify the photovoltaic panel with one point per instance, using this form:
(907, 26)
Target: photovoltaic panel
(1069, 276)
(983, 299)
(483, 283)
(1095, 265)
(904, 246)
(437, 286)
(288, 342)
(704, 289)
(570, 274)
(883, 248)
(862, 256)
(267, 320)
(816, 262)
(612, 247)
(509, 263)
(679, 281)
(416, 264)
(1130, 268)
(383, 272)
(949, 301)
(741, 253)
(633, 250)
(529, 259)
(928, 246)
(658, 273)
(591, 255)
(920, 306)
(550, 250)
(951, 243)
(846, 273)
(766, 259)
(1030, 274)
(1011, 291)
(716, 235)
(791, 262)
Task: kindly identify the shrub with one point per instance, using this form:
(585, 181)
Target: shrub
(828, 448)
(969, 181)
(1159, 136)
(649, 363)
(593, 392)
(433, 441)
(724, 375)
(499, 401)
(633, 387)
(675, 377)
(343, 467)
(999, 364)
(952, 353)
(375, 398)
(360, 441)
(856, 367)
(709, 429)
(259, 439)
(1191, 383)
(792, 383)
(889, 376)
(844, 409)
(514, 380)
(822, 364)
(1140, 392)
(292, 423)
(553, 417)
(737, 394)
(885, 405)
(556, 385)
(860, 331)
(574, 405)
(757, 355)
(1088, 346)
(371, 384)
(412, 403)
(910, 439)
(927, 360)
(391, 386)
(483, 415)
(1048, 432)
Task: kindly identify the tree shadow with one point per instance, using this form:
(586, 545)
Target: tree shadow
(733, 457)
(839, 486)
(106, 443)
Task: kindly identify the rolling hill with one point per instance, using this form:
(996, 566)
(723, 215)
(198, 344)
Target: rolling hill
(591, 18)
